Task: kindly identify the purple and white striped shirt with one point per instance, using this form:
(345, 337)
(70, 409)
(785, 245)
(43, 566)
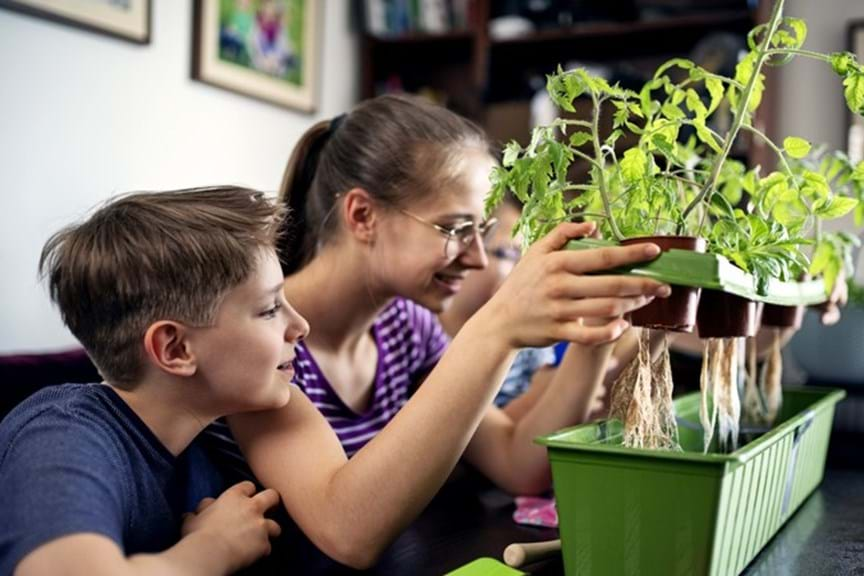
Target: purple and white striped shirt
(410, 341)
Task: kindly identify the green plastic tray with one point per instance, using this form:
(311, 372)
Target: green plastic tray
(626, 511)
(485, 567)
(700, 270)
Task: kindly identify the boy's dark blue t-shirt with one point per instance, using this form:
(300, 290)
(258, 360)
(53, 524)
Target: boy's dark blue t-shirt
(75, 458)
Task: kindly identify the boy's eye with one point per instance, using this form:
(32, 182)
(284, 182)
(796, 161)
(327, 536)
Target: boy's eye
(271, 312)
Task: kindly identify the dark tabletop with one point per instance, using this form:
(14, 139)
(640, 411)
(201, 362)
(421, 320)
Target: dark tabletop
(470, 519)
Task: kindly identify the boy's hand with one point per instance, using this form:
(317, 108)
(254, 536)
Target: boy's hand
(235, 523)
(548, 294)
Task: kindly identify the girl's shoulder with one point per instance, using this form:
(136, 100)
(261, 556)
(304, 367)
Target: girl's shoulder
(405, 315)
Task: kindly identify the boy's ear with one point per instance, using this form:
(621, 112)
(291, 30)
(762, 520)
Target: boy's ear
(360, 214)
(167, 347)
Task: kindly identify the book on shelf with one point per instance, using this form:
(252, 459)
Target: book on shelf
(387, 18)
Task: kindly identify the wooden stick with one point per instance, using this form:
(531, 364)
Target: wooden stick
(522, 553)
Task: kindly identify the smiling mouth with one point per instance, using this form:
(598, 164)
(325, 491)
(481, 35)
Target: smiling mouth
(452, 281)
(286, 366)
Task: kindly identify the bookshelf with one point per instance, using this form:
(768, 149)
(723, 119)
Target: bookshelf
(489, 79)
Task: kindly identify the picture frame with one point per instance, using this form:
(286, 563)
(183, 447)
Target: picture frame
(264, 49)
(855, 124)
(128, 20)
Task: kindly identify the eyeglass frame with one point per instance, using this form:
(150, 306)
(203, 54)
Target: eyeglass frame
(481, 229)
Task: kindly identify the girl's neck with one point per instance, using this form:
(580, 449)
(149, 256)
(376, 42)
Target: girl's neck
(453, 318)
(338, 296)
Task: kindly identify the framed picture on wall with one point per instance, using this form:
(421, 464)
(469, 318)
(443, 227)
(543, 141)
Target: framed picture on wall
(266, 49)
(124, 19)
(855, 141)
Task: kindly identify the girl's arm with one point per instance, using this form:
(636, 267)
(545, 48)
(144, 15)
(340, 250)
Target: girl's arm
(504, 449)
(353, 509)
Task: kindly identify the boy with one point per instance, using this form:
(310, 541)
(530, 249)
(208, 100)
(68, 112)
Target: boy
(177, 297)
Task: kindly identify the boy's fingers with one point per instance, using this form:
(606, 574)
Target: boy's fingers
(273, 528)
(246, 488)
(563, 233)
(584, 261)
(606, 286)
(205, 502)
(266, 499)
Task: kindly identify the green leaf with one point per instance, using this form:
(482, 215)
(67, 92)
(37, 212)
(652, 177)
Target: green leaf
(842, 61)
(672, 112)
(682, 63)
(823, 254)
(511, 153)
(707, 137)
(579, 138)
(858, 172)
(722, 206)
(796, 147)
(715, 88)
(694, 103)
(633, 165)
(854, 91)
(835, 207)
(800, 29)
(661, 143)
(815, 185)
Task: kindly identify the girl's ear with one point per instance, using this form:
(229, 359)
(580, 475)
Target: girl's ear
(360, 214)
(167, 347)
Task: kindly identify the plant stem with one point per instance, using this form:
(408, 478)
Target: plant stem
(601, 168)
(770, 143)
(741, 113)
(798, 52)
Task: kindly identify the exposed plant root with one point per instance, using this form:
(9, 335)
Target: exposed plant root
(642, 400)
(770, 382)
(708, 419)
(753, 408)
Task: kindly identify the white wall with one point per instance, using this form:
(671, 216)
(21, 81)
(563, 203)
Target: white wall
(811, 95)
(811, 103)
(84, 116)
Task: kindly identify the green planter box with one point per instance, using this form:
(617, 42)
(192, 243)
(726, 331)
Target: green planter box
(626, 511)
(700, 270)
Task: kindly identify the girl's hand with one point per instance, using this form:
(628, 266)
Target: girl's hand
(549, 292)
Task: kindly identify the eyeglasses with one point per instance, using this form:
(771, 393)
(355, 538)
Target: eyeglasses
(459, 236)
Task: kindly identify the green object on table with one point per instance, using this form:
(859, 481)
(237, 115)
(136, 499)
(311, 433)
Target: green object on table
(686, 268)
(629, 511)
(485, 567)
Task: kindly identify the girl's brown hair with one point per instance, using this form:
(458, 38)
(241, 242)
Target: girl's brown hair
(153, 256)
(397, 148)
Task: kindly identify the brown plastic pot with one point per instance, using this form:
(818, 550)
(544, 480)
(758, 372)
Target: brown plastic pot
(724, 315)
(782, 316)
(677, 313)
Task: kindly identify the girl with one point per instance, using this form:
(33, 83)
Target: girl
(388, 205)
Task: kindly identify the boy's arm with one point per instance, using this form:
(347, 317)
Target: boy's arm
(95, 555)
(223, 536)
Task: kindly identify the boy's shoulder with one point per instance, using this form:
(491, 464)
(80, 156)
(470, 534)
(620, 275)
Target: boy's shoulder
(77, 459)
(95, 407)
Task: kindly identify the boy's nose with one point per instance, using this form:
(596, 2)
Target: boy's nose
(297, 328)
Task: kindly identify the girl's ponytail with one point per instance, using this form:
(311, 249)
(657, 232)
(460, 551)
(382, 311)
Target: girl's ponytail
(297, 238)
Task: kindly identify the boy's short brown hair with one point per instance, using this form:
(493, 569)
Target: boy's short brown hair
(150, 256)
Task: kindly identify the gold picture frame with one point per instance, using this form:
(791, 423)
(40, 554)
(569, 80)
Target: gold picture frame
(124, 19)
(265, 49)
